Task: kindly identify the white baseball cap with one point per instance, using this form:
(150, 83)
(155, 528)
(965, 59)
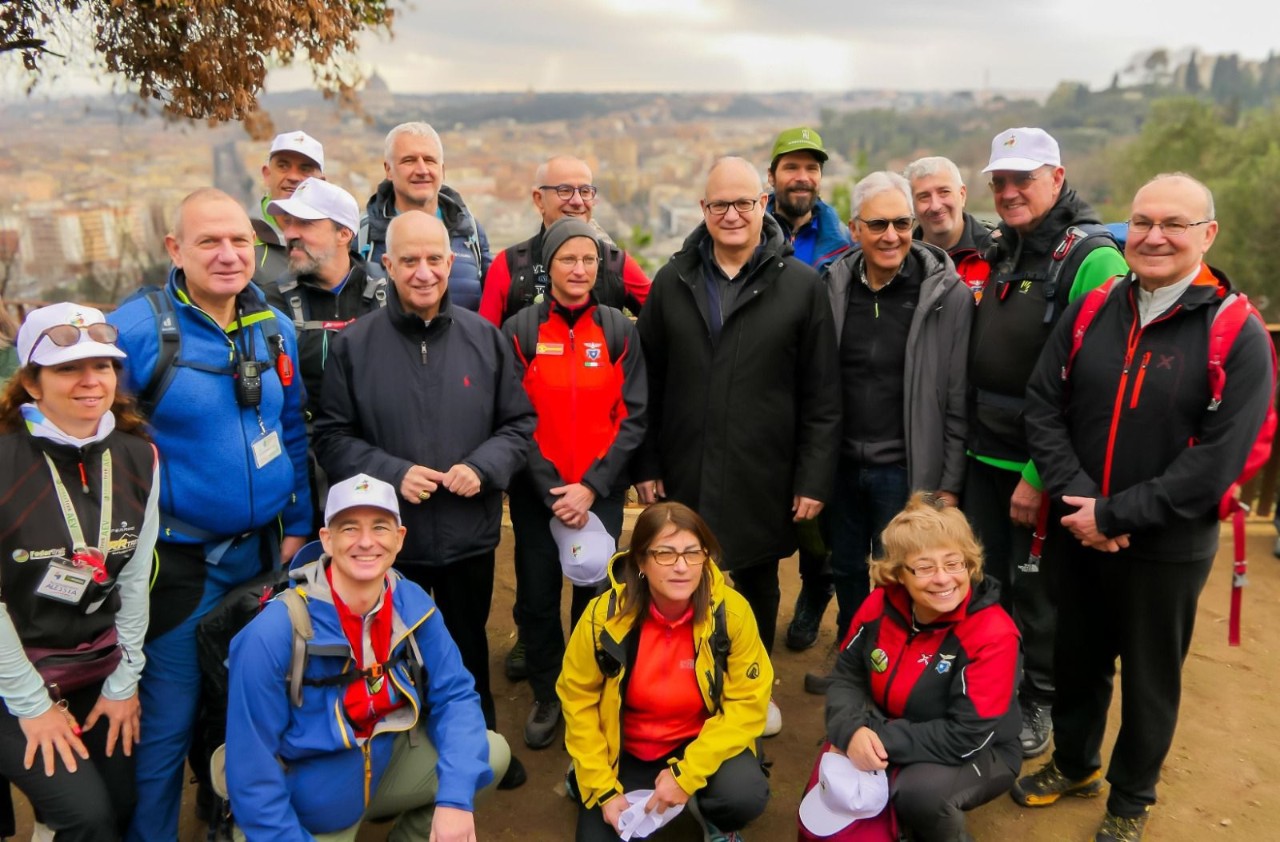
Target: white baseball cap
(844, 793)
(300, 142)
(1022, 150)
(585, 552)
(360, 490)
(635, 823)
(49, 351)
(316, 198)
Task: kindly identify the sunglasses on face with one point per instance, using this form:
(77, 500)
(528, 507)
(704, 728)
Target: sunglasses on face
(878, 226)
(1019, 181)
(64, 336)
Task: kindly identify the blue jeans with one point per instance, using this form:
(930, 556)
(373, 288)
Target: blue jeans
(865, 499)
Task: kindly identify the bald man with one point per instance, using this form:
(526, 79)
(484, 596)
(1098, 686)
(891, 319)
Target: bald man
(743, 387)
(561, 188)
(422, 394)
(1136, 480)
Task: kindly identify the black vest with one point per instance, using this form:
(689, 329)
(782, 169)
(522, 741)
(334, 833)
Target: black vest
(33, 530)
(530, 281)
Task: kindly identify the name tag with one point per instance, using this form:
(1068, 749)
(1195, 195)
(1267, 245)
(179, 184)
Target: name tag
(64, 583)
(266, 449)
(553, 349)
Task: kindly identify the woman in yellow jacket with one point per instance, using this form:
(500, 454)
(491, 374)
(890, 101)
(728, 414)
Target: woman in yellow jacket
(665, 686)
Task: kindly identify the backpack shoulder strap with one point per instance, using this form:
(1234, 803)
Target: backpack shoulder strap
(615, 331)
(1089, 308)
(375, 290)
(526, 334)
(169, 347)
(614, 259)
(720, 655)
(1076, 245)
(303, 632)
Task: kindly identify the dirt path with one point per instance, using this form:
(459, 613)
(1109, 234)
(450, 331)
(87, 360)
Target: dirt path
(1219, 782)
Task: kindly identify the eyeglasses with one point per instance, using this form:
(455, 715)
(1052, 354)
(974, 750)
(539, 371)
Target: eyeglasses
(566, 191)
(64, 336)
(1019, 181)
(667, 556)
(1174, 228)
(927, 571)
(878, 226)
(719, 208)
(588, 262)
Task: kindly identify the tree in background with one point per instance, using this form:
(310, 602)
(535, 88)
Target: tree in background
(203, 59)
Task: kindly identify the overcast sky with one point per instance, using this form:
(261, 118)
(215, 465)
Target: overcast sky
(769, 45)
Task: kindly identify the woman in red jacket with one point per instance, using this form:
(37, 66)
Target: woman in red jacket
(925, 683)
(582, 367)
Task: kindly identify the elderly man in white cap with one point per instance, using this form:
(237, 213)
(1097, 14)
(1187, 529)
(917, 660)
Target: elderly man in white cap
(294, 157)
(1049, 250)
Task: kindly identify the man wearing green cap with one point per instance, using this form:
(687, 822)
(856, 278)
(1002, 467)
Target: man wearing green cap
(818, 236)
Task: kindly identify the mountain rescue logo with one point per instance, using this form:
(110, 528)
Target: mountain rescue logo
(944, 664)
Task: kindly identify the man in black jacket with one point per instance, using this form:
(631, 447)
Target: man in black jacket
(743, 388)
(1139, 456)
(423, 395)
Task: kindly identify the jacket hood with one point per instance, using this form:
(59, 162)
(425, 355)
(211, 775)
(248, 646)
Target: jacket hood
(1069, 210)
(774, 241)
(381, 209)
(982, 595)
(975, 238)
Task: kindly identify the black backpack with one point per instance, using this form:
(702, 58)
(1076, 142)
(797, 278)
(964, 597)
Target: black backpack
(525, 324)
(528, 281)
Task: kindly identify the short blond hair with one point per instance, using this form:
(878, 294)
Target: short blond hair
(924, 524)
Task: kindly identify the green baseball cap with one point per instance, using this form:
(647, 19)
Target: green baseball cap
(799, 139)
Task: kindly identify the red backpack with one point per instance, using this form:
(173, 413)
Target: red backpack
(1234, 311)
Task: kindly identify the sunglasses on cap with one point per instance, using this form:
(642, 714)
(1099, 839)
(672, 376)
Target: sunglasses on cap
(64, 336)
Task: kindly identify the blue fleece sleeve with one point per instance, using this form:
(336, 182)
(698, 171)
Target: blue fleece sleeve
(257, 716)
(455, 723)
(296, 516)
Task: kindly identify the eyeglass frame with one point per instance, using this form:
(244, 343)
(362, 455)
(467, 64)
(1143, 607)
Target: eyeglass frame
(708, 206)
(570, 262)
(885, 223)
(960, 565)
(678, 555)
(1145, 226)
(580, 189)
(1020, 181)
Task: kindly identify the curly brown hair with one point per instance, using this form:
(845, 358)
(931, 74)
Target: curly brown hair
(15, 394)
(651, 523)
(925, 523)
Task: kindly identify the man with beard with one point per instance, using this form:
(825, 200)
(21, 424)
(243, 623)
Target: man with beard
(1049, 251)
(939, 194)
(326, 287)
(744, 389)
(294, 157)
(818, 236)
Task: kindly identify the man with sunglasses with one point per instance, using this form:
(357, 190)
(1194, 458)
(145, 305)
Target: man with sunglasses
(902, 321)
(1140, 455)
(561, 188)
(233, 456)
(1048, 252)
(743, 388)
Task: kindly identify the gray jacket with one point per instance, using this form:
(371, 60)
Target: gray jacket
(937, 354)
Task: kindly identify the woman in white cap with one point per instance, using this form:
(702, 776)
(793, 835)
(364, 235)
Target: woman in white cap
(924, 684)
(665, 687)
(78, 520)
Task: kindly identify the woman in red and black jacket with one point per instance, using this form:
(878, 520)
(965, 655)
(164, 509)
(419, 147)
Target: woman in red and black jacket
(582, 367)
(924, 685)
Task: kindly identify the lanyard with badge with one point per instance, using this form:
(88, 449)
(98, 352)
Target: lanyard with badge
(248, 384)
(68, 580)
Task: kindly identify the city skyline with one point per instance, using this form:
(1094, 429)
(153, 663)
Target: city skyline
(755, 46)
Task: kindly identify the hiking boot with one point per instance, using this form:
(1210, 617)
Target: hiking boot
(514, 665)
(802, 631)
(515, 776)
(711, 833)
(1275, 548)
(817, 682)
(1046, 786)
(1037, 728)
(772, 720)
(540, 726)
(1122, 828)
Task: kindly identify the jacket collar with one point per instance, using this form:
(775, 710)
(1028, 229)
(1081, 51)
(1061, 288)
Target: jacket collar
(412, 323)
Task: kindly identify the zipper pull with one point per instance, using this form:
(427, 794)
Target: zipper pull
(424, 352)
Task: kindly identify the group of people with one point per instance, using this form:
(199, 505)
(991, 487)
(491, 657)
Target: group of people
(1001, 449)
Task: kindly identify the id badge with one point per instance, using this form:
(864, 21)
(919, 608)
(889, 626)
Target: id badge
(65, 583)
(266, 449)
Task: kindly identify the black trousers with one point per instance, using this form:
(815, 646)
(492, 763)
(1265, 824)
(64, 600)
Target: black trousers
(931, 799)
(540, 581)
(758, 585)
(1143, 612)
(463, 591)
(1026, 591)
(737, 793)
(93, 804)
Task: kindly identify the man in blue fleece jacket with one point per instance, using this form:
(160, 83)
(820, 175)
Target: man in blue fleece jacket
(388, 722)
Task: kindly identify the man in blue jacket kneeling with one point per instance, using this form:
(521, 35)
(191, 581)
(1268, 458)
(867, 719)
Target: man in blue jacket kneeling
(386, 722)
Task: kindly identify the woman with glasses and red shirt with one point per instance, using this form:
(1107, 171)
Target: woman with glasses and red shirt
(924, 684)
(665, 686)
(79, 520)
